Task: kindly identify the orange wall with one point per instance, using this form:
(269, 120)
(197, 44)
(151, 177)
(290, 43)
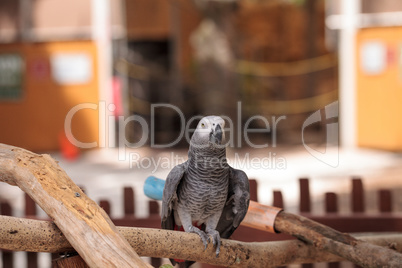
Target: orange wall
(379, 96)
(36, 121)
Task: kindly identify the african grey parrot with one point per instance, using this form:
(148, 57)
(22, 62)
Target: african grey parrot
(205, 191)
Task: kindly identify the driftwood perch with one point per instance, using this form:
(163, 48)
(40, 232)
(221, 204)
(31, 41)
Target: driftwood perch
(272, 219)
(85, 225)
(322, 237)
(344, 245)
(43, 236)
(91, 233)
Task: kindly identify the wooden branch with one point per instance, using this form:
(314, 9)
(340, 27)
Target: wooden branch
(91, 232)
(341, 244)
(43, 236)
(85, 225)
(323, 237)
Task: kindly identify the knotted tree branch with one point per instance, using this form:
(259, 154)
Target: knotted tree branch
(43, 236)
(344, 245)
(92, 234)
(85, 225)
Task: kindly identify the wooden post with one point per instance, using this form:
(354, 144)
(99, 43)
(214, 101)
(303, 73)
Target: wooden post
(331, 203)
(129, 201)
(385, 200)
(85, 225)
(30, 211)
(331, 206)
(278, 200)
(253, 190)
(105, 205)
(70, 262)
(304, 203)
(357, 195)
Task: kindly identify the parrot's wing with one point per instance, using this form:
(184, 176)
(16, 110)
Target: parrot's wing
(170, 196)
(237, 203)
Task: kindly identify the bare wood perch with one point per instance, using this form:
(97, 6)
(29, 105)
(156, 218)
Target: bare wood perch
(344, 245)
(269, 218)
(85, 225)
(90, 231)
(43, 236)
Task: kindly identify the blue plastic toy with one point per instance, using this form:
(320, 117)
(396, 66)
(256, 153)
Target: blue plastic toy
(153, 187)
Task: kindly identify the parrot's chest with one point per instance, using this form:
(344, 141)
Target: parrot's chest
(208, 197)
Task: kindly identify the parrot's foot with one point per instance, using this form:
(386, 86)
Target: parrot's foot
(216, 240)
(205, 237)
(202, 234)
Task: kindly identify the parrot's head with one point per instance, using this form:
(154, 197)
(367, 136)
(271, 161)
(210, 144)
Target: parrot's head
(209, 131)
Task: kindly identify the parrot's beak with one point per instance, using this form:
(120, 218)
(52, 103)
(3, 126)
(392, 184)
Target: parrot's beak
(216, 135)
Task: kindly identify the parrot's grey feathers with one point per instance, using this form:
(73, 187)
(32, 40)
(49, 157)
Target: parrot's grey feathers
(204, 195)
(236, 205)
(169, 198)
(170, 191)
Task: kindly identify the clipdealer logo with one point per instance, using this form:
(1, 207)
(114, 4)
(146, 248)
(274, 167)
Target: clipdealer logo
(269, 126)
(331, 111)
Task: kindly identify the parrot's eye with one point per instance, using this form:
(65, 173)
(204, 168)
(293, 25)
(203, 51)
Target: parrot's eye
(202, 125)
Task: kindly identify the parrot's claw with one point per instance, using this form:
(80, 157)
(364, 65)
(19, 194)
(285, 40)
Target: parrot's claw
(206, 238)
(216, 240)
(202, 234)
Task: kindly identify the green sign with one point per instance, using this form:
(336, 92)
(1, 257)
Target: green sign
(11, 75)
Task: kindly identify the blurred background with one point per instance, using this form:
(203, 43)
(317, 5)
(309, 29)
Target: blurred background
(271, 58)
(95, 63)
(201, 56)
